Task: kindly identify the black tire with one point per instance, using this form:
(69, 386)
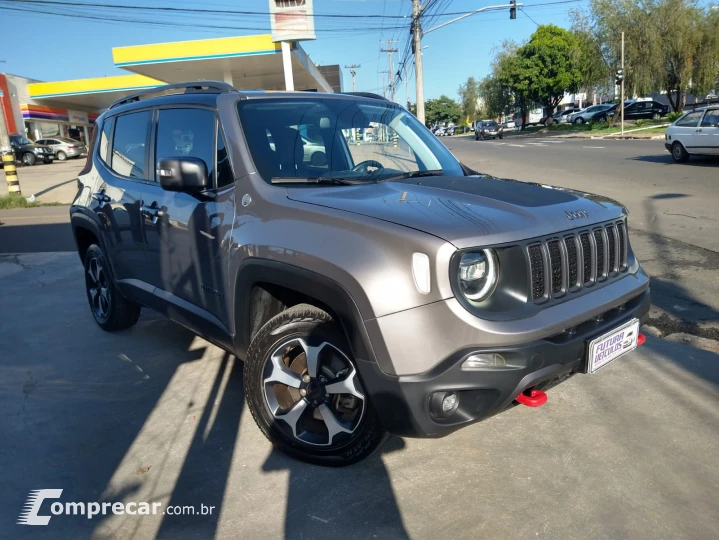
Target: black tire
(316, 328)
(28, 159)
(678, 153)
(476, 137)
(579, 120)
(62, 156)
(656, 116)
(501, 137)
(110, 309)
(47, 161)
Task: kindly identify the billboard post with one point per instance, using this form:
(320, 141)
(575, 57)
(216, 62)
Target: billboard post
(292, 20)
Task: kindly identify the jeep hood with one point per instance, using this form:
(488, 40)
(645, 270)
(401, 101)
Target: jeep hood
(468, 211)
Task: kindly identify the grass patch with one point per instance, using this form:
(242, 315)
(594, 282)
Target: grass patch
(10, 202)
(601, 128)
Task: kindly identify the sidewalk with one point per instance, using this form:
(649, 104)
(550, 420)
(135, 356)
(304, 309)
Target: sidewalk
(54, 182)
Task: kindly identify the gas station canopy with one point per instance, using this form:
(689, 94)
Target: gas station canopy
(247, 62)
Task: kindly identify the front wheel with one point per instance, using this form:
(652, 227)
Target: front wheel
(304, 392)
(656, 116)
(501, 136)
(62, 156)
(28, 159)
(678, 153)
(579, 120)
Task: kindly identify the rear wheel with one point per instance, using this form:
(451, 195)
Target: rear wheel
(579, 120)
(678, 153)
(28, 159)
(111, 310)
(656, 116)
(304, 391)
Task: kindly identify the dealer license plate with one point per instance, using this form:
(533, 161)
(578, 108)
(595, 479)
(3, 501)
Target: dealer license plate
(612, 345)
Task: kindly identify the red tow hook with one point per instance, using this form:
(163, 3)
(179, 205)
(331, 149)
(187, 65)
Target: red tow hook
(641, 338)
(535, 398)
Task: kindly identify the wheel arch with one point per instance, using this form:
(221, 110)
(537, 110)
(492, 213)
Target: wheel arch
(264, 288)
(86, 232)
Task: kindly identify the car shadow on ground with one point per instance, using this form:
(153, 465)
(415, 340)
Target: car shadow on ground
(666, 159)
(35, 238)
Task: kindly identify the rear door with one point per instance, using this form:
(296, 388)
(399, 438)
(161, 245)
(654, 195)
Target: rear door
(187, 236)
(707, 134)
(122, 151)
(685, 131)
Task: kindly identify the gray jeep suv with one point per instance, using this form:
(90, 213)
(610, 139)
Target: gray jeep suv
(369, 287)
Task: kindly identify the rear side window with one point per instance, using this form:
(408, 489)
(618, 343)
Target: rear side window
(105, 139)
(129, 143)
(689, 120)
(187, 133)
(711, 119)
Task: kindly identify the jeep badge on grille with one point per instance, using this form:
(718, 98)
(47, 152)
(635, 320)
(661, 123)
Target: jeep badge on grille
(577, 214)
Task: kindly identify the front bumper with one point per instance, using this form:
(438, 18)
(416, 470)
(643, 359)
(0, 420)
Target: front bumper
(403, 402)
(668, 146)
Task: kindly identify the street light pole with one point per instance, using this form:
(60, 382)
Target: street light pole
(417, 41)
(622, 102)
(417, 35)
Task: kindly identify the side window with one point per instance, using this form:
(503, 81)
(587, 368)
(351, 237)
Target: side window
(224, 171)
(711, 119)
(42, 141)
(128, 144)
(187, 133)
(105, 139)
(690, 120)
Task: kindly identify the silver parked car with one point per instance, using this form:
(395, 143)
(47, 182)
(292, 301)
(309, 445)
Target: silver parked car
(64, 148)
(585, 115)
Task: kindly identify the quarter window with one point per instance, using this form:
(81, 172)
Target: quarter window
(224, 171)
(105, 139)
(689, 120)
(187, 133)
(128, 144)
(711, 119)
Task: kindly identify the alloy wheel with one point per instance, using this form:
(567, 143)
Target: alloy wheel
(98, 287)
(314, 392)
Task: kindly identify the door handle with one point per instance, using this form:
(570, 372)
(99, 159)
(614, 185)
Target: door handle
(698, 130)
(152, 212)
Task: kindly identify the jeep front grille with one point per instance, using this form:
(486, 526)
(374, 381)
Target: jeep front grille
(569, 262)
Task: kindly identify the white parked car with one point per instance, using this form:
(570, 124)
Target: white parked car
(695, 133)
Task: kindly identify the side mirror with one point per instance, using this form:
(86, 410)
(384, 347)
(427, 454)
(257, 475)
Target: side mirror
(182, 174)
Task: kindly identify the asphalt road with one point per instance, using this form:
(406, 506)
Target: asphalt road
(156, 414)
(676, 201)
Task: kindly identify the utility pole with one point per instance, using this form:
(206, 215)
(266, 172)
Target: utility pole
(8, 156)
(384, 88)
(389, 50)
(406, 85)
(622, 102)
(353, 72)
(417, 48)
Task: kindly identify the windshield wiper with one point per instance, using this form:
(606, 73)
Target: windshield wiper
(312, 180)
(412, 174)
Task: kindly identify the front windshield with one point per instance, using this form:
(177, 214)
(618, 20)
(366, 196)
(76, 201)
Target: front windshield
(345, 139)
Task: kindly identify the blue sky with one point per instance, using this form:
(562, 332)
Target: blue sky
(48, 47)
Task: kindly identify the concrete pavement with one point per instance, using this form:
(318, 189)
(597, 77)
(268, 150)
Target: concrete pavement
(157, 414)
(52, 182)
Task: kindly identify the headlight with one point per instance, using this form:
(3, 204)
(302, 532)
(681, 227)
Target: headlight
(478, 272)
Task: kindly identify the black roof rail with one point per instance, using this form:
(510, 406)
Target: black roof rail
(367, 95)
(195, 87)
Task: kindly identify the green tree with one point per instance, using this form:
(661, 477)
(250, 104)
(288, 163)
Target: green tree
(494, 97)
(442, 109)
(549, 61)
(469, 98)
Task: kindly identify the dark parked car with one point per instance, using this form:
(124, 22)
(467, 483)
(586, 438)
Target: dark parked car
(488, 129)
(369, 292)
(28, 152)
(634, 110)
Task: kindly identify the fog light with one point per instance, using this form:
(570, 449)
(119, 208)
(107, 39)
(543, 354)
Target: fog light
(443, 404)
(483, 361)
(449, 402)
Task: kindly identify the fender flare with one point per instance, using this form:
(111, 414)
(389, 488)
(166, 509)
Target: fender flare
(325, 290)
